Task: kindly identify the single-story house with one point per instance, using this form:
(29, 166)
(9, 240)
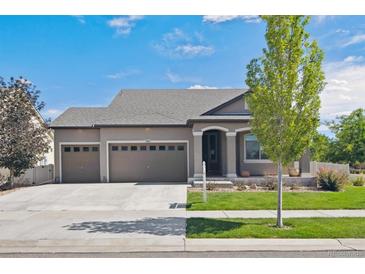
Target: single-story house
(159, 136)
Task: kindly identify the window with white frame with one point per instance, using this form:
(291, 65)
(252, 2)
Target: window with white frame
(253, 150)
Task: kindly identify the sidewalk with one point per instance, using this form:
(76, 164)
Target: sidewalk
(272, 213)
(178, 244)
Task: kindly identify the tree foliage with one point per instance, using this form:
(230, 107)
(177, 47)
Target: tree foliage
(349, 143)
(320, 148)
(23, 139)
(286, 82)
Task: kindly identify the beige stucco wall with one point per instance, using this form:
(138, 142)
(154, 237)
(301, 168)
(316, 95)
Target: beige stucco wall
(162, 134)
(235, 107)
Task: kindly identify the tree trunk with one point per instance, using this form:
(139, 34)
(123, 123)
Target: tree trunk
(279, 221)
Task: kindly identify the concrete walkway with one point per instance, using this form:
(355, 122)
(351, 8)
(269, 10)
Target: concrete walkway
(272, 213)
(112, 245)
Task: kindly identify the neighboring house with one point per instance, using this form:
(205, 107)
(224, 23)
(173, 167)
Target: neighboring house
(158, 136)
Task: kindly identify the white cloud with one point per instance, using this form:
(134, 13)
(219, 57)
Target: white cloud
(216, 19)
(177, 78)
(345, 88)
(178, 44)
(354, 59)
(201, 87)
(194, 50)
(342, 31)
(123, 25)
(356, 39)
(52, 113)
(322, 18)
(80, 18)
(123, 74)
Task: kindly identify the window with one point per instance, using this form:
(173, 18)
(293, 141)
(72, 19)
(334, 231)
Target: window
(253, 150)
(180, 148)
(134, 148)
(76, 149)
(114, 148)
(152, 147)
(171, 148)
(67, 149)
(95, 149)
(85, 149)
(162, 148)
(143, 148)
(124, 148)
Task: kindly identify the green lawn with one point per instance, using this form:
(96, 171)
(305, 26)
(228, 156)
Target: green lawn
(351, 198)
(265, 228)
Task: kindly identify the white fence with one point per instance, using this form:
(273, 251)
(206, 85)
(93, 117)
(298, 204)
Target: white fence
(33, 176)
(316, 166)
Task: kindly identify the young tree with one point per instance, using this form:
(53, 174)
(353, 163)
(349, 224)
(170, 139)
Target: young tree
(23, 140)
(349, 142)
(285, 84)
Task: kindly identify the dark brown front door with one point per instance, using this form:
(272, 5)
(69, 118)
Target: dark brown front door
(211, 152)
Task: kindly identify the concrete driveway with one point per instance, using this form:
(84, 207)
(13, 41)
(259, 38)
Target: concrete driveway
(95, 197)
(126, 216)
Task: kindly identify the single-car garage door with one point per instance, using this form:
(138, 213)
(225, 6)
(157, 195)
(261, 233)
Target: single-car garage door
(80, 163)
(162, 162)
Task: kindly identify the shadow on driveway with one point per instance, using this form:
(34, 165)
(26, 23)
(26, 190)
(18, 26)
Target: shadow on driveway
(169, 226)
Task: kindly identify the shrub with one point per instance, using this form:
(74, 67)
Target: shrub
(241, 186)
(359, 181)
(332, 180)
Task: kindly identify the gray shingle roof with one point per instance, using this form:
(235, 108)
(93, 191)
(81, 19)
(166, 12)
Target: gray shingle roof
(149, 107)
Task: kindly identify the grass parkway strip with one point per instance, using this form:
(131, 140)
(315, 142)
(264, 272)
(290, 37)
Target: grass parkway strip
(305, 228)
(351, 198)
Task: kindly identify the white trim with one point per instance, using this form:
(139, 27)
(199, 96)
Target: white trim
(243, 129)
(253, 161)
(146, 142)
(263, 161)
(231, 134)
(231, 175)
(215, 127)
(197, 133)
(60, 144)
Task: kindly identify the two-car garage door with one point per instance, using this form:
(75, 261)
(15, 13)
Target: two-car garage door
(155, 162)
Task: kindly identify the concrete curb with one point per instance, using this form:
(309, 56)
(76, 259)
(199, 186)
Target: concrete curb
(179, 244)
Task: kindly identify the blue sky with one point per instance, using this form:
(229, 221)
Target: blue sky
(86, 60)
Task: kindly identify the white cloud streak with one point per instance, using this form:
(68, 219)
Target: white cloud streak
(123, 74)
(217, 19)
(356, 39)
(177, 44)
(80, 18)
(123, 25)
(201, 87)
(177, 78)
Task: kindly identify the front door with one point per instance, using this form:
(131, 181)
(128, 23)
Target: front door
(210, 152)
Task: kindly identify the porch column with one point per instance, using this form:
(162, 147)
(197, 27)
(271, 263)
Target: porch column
(198, 148)
(231, 154)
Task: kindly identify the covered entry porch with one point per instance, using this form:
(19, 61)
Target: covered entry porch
(219, 146)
